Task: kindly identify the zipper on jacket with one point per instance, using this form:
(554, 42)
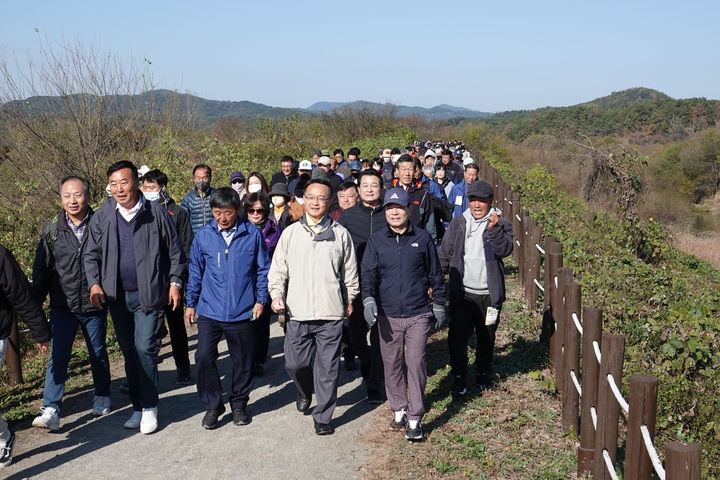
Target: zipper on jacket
(226, 252)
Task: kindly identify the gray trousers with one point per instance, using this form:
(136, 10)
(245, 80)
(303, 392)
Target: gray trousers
(312, 359)
(403, 342)
(4, 430)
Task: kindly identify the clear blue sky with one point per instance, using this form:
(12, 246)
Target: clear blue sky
(489, 56)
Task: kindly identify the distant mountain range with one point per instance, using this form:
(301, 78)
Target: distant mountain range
(621, 112)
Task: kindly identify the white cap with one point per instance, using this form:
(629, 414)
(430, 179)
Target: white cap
(143, 170)
(324, 160)
(468, 160)
(305, 165)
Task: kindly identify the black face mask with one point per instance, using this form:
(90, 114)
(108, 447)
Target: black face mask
(202, 186)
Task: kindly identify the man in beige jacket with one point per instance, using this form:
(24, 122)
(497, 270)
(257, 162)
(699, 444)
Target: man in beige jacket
(314, 275)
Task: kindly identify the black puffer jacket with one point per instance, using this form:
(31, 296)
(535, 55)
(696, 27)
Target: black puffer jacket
(16, 294)
(61, 271)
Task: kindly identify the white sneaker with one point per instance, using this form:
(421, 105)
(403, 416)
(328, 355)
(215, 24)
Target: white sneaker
(134, 420)
(149, 422)
(48, 419)
(101, 406)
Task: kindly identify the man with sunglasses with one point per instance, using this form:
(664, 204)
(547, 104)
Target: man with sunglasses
(314, 275)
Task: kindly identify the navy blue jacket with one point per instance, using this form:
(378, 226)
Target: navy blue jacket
(397, 271)
(225, 282)
(198, 208)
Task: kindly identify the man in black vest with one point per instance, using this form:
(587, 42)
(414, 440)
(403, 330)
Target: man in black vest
(134, 261)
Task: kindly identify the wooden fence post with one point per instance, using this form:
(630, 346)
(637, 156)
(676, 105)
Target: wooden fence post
(516, 228)
(571, 362)
(643, 405)
(682, 461)
(526, 241)
(534, 266)
(551, 246)
(613, 354)
(564, 275)
(554, 262)
(520, 235)
(592, 332)
(12, 356)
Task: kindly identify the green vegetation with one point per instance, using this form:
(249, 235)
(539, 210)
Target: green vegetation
(669, 310)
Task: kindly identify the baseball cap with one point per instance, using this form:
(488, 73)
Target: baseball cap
(305, 165)
(355, 165)
(237, 176)
(397, 196)
(324, 160)
(387, 153)
(480, 189)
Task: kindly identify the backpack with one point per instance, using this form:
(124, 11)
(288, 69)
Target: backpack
(52, 237)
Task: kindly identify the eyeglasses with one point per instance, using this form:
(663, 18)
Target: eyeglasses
(312, 198)
(253, 211)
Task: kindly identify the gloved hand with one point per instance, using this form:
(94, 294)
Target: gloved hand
(370, 311)
(440, 315)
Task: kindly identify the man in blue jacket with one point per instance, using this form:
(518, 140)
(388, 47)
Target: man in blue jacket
(399, 267)
(197, 202)
(458, 198)
(472, 253)
(227, 290)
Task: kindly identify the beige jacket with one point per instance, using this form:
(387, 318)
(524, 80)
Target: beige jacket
(315, 274)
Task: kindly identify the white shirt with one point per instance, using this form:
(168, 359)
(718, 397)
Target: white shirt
(228, 234)
(128, 215)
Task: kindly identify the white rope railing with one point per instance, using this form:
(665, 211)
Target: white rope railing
(509, 201)
(616, 391)
(575, 381)
(577, 323)
(593, 415)
(542, 289)
(596, 347)
(517, 242)
(652, 453)
(540, 249)
(609, 465)
(24, 331)
(518, 217)
(556, 281)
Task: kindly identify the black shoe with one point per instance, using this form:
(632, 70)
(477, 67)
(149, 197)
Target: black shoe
(459, 387)
(375, 398)
(240, 417)
(6, 451)
(323, 428)
(484, 381)
(210, 420)
(397, 426)
(183, 377)
(302, 403)
(415, 434)
(124, 388)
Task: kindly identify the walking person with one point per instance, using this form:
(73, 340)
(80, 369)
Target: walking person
(154, 188)
(314, 275)
(256, 207)
(472, 253)
(135, 263)
(400, 265)
(16, 297)
(197, 202)
(362, 220)
(227, 291)
(58, 270)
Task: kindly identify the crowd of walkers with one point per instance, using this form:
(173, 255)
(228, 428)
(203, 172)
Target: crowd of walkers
(349, 254)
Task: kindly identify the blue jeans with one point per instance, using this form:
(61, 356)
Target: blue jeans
(135, 332)
(64, 325)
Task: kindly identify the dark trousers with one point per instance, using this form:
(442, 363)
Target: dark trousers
(178, 335)
(467, 316)
(135, 332)
(261, 327)
(241, 345)
(312, 359)
(371, 363)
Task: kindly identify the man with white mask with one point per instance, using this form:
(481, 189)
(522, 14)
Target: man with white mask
(154, 189)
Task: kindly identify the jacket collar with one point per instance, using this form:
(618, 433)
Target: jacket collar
(326, 232)
(408, 233)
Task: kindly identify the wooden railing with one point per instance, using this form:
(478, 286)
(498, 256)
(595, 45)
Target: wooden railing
(591, 401)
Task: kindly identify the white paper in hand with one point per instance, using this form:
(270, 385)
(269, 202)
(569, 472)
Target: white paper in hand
(491, 316)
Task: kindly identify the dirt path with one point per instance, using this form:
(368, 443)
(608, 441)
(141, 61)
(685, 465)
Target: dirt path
(279, 443)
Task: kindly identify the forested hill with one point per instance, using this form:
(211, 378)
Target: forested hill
(641, 111)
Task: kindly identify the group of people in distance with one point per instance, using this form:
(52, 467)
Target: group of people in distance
(343, 250)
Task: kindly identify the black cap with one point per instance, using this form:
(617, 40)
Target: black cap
(480, 189)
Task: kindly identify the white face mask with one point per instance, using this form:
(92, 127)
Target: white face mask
(255, 187)
(278, 200)
(152, 196)
(238, 187)
(300, 200)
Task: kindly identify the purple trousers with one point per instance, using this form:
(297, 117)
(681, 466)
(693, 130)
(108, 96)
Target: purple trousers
(402, 343)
